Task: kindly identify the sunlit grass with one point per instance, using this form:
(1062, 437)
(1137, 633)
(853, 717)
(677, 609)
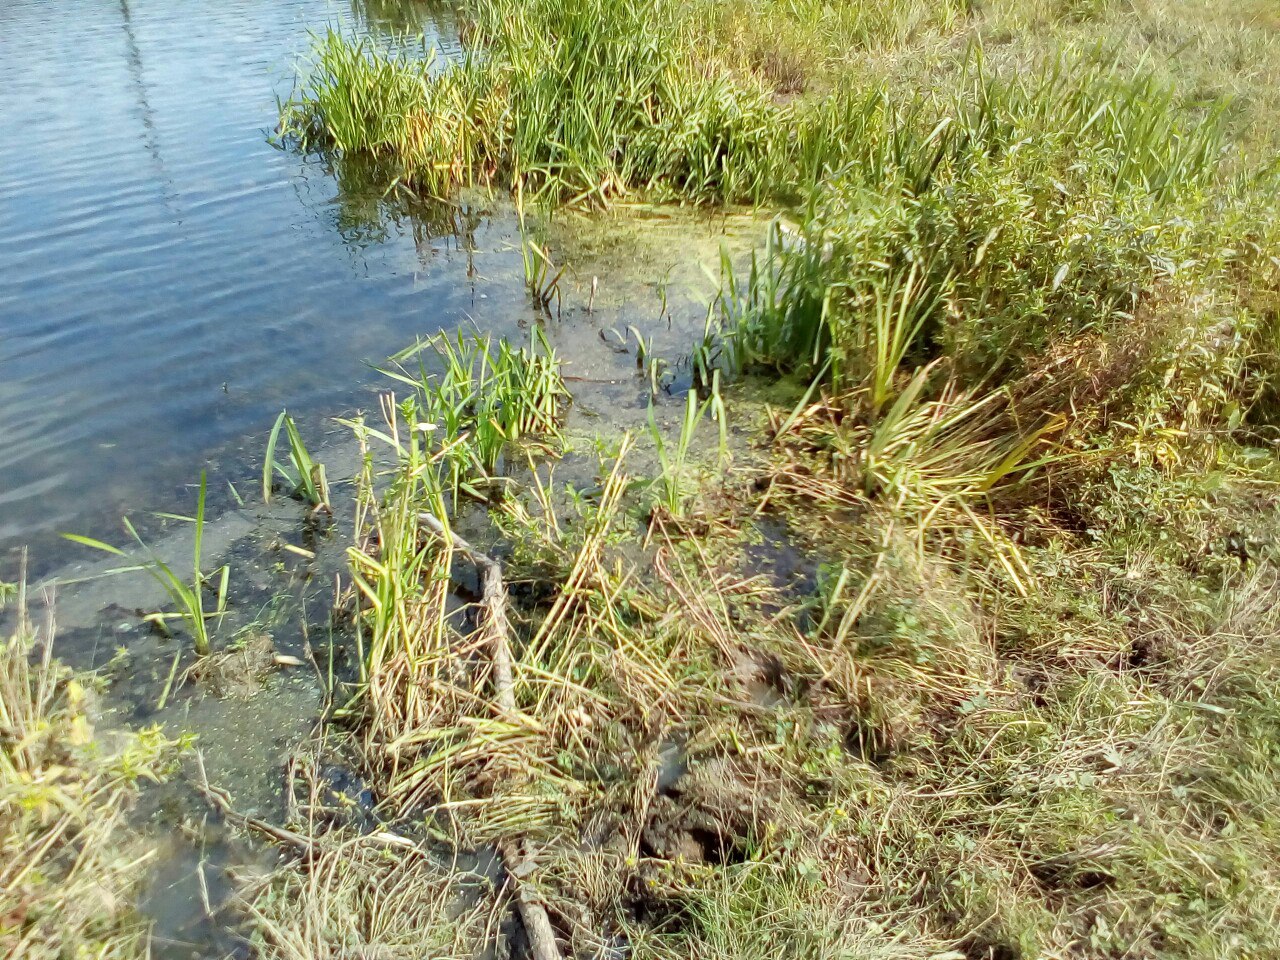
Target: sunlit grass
(69, 862)
(1007, 706)
(476, 397)
(189, 594)
(307, 477)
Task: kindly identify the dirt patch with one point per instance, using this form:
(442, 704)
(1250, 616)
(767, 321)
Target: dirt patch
(239, 672)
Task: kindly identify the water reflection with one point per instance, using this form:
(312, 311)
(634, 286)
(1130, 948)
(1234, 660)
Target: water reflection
(371, 208)
(398, 17)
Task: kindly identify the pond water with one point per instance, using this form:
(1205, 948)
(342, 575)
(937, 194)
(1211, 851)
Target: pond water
(168, 278)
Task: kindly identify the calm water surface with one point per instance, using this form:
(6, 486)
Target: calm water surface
(168, 278)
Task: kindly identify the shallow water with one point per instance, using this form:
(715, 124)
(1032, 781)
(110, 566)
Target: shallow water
(169, 279)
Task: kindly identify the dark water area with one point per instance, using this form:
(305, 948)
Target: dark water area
(169, 279)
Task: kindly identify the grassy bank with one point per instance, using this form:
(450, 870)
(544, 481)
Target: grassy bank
(71, 865)
(985, 720)
(972, 652)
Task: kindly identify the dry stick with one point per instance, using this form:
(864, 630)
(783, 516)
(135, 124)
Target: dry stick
(221, 801)
(493, 595)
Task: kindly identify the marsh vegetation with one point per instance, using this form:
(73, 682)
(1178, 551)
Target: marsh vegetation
(71, 863)
(1001, 386)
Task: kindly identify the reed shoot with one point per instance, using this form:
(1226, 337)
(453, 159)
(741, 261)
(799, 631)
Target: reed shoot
(189, 594)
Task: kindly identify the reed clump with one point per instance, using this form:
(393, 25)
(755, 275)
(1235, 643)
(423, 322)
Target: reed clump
(582, 101)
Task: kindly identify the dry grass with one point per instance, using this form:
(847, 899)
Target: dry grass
(916, 759)
(1024, 704)
(68, 863)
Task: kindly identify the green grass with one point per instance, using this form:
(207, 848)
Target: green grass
(306, 479)
(187, 593)
(475, 399)
(676, 478)
(1019, 697)
(401, 582)
(581, 101)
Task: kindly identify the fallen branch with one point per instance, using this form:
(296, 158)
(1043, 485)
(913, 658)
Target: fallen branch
(493, 597)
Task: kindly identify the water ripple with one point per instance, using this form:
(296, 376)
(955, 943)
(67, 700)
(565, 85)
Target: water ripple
(168, 278)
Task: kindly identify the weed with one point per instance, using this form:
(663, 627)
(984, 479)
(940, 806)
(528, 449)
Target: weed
(307, 480)
(70, 864)
(187, 595)
(487, 396)
(674, 483)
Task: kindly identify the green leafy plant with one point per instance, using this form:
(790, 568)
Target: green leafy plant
(188, 595)
(307, 477)
(674, 484)
(481, 395)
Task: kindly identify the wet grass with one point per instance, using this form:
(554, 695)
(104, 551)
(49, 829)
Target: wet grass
(189, 595)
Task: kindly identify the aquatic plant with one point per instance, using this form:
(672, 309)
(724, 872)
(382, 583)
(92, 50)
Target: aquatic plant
(543, 284)
(187, 594)
(307, 479)
(541, 278)
(674, 483)
(485, 396)
(401, 579)
(550, 114)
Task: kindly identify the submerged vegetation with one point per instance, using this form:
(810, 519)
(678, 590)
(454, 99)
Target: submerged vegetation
(1016, 692)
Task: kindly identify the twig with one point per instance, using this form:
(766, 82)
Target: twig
(493, 595)
(220, 800)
